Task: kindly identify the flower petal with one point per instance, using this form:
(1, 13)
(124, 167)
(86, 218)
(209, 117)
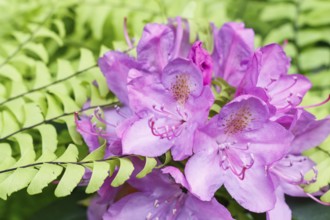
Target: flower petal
(204, 175)
(115, 67)
(84, 127)
(146, 91)
(313, 135)
(291, 171)
(156, 183)
(137, 206)
(288, 90)
(154, 47)
(177, 175)
(138, 139)
(183, 144)
(245, 113)
(281, 209)
(273, 63)
(181, 29)
(233, 46)
(265, 144)
(195, 209)
(178, 68)
(201, 58)
(255, 192)
(199, 113)
(96, 209)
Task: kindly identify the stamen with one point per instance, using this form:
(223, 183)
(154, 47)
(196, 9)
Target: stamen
(289, 162)
(156, 203)
(272, 80)
(119, 112)
(173, 211)
(98, 116)
(295, 80)
(166, 131)
(318, 200)
(94, 130)
(148, 217)
(285, 43)
(237, 165)
(168, 114)
(127, 38)
(315, 105)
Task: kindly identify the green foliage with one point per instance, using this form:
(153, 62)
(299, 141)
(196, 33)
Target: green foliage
(321, 154)
(35, 175)
(48, 71)
(223, 93)
(305, 25)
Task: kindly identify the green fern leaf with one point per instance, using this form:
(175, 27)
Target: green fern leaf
(125, 170)
(71, 178)
(100, 173)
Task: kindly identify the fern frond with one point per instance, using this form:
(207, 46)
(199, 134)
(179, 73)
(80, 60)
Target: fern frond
(35, 174)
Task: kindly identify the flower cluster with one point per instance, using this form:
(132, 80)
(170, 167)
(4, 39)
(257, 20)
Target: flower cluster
(253, 146)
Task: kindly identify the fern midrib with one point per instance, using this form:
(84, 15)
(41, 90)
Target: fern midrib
(55, 118)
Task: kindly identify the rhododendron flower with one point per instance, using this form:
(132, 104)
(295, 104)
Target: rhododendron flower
(233, 149)
(158, 45)
(288, 173)
(203, 60)
(233, 46)
(91, 131)
(161, 87)
(253, 146)
(267, 77)
(158, 196)
(167, 112)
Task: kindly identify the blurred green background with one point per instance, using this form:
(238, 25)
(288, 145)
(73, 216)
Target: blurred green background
(46, 31)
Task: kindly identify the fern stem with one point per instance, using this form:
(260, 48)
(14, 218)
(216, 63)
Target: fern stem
(21, 46)
(58, 163)
(55, 118)
(50, 84)
(324, 151)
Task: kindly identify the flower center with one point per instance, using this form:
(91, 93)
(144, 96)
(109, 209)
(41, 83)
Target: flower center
(180, 88)
(237, 122)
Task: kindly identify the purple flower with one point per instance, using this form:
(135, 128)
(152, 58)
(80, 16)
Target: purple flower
(158, 45)
(233, 149)
(288, 173)
(267, 77)
(203, 60)
(115, 66)
(90, 130)
(233, 47)
(161, 87)
(159, 196)
(167, 114)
